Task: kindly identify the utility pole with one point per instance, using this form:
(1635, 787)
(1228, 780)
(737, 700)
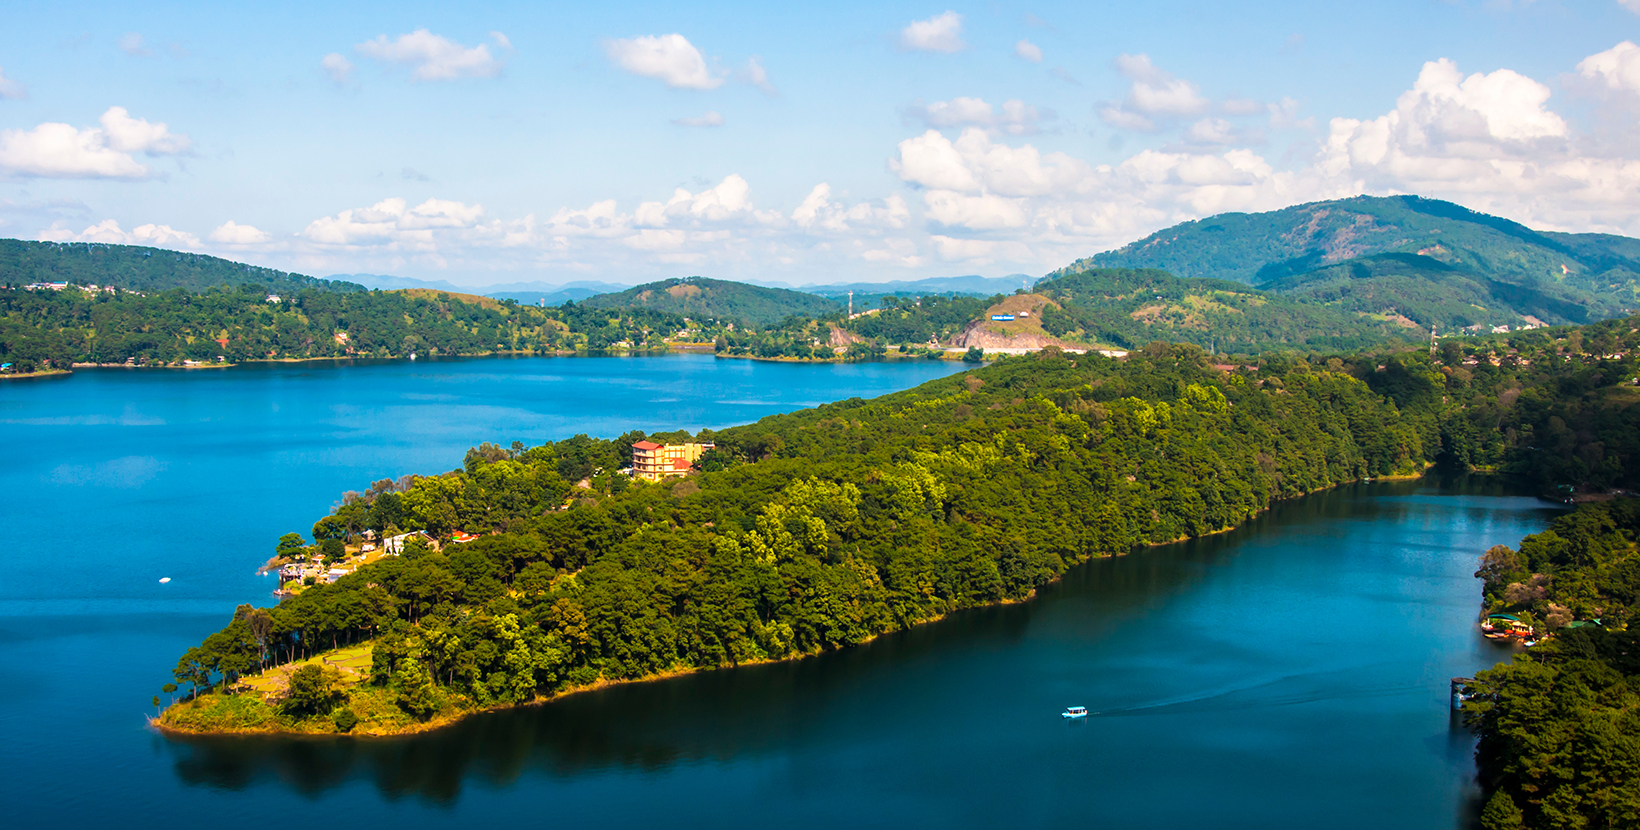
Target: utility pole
(1431, 339)
(851, 305)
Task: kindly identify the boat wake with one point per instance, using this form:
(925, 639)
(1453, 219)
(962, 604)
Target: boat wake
(1290, 690)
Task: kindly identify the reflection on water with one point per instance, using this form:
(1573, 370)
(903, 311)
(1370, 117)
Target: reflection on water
(1235, 630)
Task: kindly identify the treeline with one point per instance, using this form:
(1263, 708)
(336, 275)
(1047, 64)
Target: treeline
(245, 323)
(1560, 726)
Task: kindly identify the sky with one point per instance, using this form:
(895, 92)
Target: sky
(491, 143)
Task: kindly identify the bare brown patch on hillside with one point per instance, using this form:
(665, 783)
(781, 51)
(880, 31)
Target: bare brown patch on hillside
(434, 295)
(682, 290)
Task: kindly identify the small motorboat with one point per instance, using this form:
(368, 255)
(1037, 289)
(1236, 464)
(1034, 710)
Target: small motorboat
(1075, 712)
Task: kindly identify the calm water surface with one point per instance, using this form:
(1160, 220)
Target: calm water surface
(1289, 674)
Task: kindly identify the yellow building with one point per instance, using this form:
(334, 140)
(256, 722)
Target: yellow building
(653, 462)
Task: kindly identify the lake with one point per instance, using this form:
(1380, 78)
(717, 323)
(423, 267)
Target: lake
(1291, 673)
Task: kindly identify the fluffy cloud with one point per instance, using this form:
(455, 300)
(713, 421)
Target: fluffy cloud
(433, 57)
(710, 118)
(108, 232)
(54, 150)
(10, 90)
(134, 135)
(391, 221)
(1016, 118)
(818, 211)
(233, 233)
(670, 59)
(1027, 50)
(336, 67)
(1615, 70)
(1153, 92)
(940, 33)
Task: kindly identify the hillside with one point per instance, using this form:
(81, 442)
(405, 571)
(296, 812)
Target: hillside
(137, 268)
(1132, 307)
(701, 298)
(1446, 257)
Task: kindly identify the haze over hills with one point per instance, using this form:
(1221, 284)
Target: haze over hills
(1434, 262)
(700, 297)
(868, 294)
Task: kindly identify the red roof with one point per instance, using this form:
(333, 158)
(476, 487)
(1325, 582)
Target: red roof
(645, 446)
(680, 464)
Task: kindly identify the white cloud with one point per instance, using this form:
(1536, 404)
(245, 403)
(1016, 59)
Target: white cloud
(61, 151)
(1631, 5)
(433, 57)
(1029, 51)
(1016, 118)
(1211, 131)
(233, 233)
(710, 118)
(10, 90)
(336, 67)
(131, 43)
(1157, 92)
(134, 135)
(757, 76)
(501, 40)
(108, 232)
(1615, 70)
(393, 222)
(819, 211)
(940, 33)
(670, 59)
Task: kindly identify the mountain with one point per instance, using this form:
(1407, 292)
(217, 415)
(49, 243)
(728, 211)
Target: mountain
(1429, 260)
(139, 268)
(540, 293)
(971, 285)
(387, 282)
(699, 297)
(528, 293)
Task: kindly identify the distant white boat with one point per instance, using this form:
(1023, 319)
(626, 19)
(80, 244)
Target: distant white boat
(1075, 712)
(164, 579)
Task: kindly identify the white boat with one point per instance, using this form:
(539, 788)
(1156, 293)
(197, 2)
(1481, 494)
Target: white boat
(1074, 712)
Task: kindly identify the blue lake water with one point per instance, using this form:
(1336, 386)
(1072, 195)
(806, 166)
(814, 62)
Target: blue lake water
(1288, 674)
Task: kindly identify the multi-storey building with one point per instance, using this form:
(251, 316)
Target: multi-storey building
(653, 462)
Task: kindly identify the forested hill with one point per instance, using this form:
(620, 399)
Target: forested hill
(1130, 307)
(137, 268)
(823, 528)
(698, 298)
(1326, 251)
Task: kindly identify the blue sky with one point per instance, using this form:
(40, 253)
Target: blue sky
(492, 143)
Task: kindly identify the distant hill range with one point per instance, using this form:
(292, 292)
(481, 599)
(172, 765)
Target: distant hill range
(1432, 262)
(699, 297)
(141, 269)
(528, 293)
(868, 294)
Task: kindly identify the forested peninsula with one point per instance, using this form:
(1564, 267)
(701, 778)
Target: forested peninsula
(545, 571)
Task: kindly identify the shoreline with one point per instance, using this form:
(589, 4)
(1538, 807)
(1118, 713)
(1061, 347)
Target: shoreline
(442, 722)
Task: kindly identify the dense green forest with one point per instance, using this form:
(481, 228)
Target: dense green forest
(244, 323)
(823, 528)
(1510, 271)
(137, 268)
(1560, 725)
(701, 298)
